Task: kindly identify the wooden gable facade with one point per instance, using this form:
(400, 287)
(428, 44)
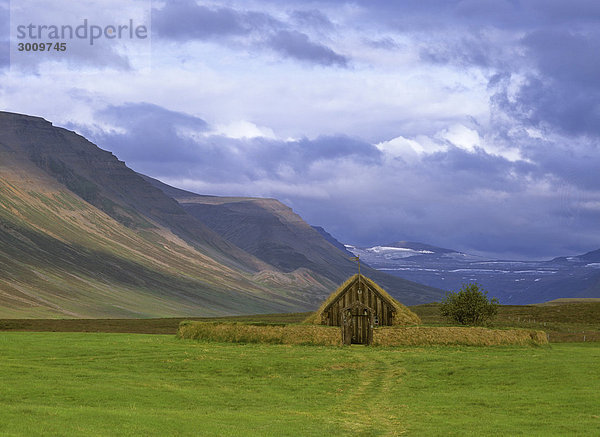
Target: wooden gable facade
(363, 290)
(358, 306)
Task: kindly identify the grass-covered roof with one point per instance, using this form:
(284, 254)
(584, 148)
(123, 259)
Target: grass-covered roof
(402, 315)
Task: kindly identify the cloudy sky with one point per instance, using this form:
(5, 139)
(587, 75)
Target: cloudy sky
(470, 124)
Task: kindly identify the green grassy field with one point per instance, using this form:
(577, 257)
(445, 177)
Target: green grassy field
(125, 384)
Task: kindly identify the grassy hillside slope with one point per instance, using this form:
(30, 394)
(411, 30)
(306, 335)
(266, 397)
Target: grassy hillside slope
(60, 256)
(73, 243)
(103, 181)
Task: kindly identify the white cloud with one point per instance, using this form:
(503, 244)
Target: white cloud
(461, 136)
(410, 150)
(457, 135)
(535, 133)
(243, 129)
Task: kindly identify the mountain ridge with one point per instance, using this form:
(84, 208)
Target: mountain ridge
(82, 235)
(67, 156)
(513, 282)
(61, 255)
(273, 232)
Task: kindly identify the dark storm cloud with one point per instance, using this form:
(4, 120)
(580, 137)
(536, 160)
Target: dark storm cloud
(297, 45)
(566, 56)
(339, 146)
(136, 115)
(186, 20)
(570, 108)
(169, 144)
(511, 14)
(565, 91)
(573, 163)
(468, 50)
(570, 156)
(429, 15)
(554, 12)
(147, 134)
(478, 169)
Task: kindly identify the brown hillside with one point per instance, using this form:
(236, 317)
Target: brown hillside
(81, 235)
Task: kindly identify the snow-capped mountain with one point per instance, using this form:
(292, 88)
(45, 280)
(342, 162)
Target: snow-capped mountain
(513, 282)
(389, 253)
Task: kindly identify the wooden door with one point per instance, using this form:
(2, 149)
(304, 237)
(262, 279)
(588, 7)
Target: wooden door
(357, 327)
(360, 328)
(347, 326)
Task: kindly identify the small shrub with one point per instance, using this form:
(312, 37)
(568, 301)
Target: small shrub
(469, 306)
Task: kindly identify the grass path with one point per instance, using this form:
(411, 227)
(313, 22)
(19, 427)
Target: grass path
(367, 405)
(55, 384)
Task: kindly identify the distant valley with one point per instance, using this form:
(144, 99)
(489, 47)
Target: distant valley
(512, 282)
